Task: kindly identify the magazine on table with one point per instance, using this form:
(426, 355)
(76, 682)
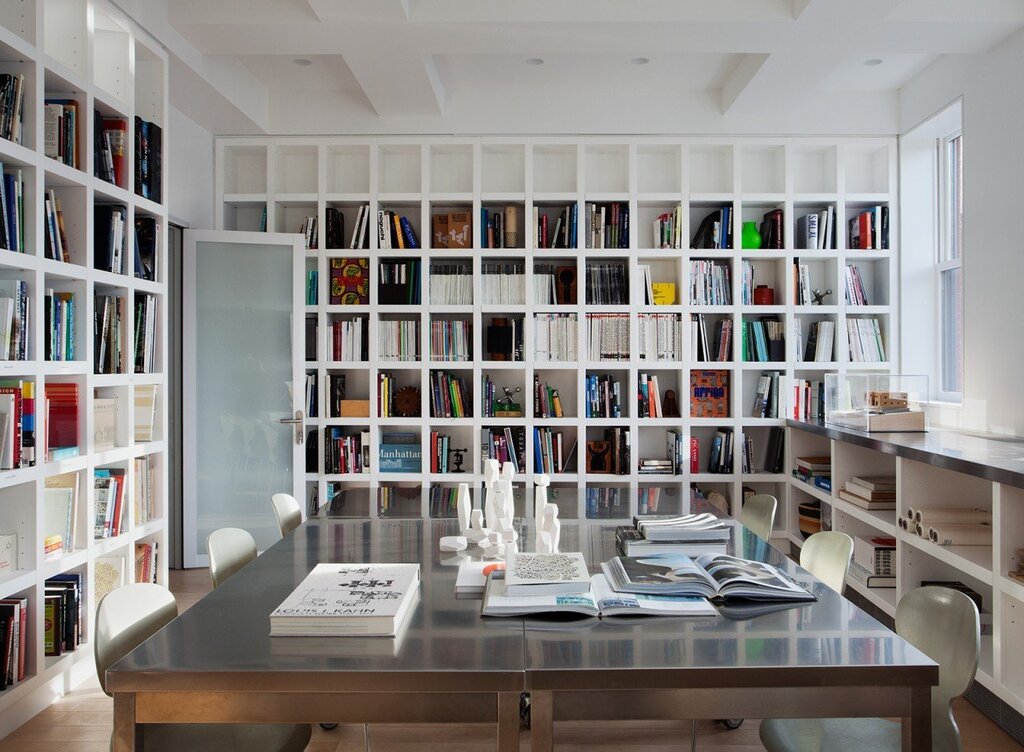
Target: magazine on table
(717, 577)
(704, 527)
(600, 600)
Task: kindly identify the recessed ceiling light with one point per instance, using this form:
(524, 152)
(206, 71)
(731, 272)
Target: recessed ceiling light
(534, 61)
(640, 61)
(873, 61)
(302, 61)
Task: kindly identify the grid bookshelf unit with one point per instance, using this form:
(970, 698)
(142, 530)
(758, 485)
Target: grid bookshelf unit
(86, 50)
(290, 178)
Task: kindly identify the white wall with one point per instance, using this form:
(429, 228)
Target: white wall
(191, 171)
(993, 110)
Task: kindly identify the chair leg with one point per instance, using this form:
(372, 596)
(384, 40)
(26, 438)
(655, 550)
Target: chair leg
(693, 736)
(366, 737)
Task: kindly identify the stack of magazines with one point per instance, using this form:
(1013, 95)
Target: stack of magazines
(690, 534)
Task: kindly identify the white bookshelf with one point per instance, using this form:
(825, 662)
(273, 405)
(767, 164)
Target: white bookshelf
(86, 50)
(921, 484)
(299, 176)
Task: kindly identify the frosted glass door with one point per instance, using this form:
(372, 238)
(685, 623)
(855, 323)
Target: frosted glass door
(242, 350)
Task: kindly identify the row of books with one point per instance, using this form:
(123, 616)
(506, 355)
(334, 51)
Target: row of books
(308, 230)
(611, 454)
(502, 283)
(555, 337)
(550, 453)
(869, 229)
(660, 336)
(449, 396)
(808, 399)
(398, 283)
(451, 341)
(109, 489)
(110, 146)
(387, 407)
(655, 293)
(855, 293)
(109, 223)
(704, 349)
(60, 513)
(649, 402)
(720, 456)
(145, 333)
(499, 228)
(676, 455)
(766, 396)
(12, 106)
(14, 637)
(608, 225)
(12, 210)
(148, 160)
(820, 341)
(60, 131)
(345, 453)
(816, 231)
(504, 338)
(607, 284)
(14, 319)
(451, 284)
(312, 287)
(441, 448)
(608, 336)
(764, 340)
(709, 283)
(63, 613)
(563, 230)
(490, 397)
(865, 339)
(505, 445)
(715, 230)
(334, 228)
(667, 229)
(603, 397)
(56, 238)
(348, 339)
(554, 285)
(145, 498)
(398, 340)
(146, 561)
(107, 432)
(60, 325)
(546, 401)
(108, 330)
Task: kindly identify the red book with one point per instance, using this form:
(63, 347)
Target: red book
(118, 478)
(116, 131)
(694, 454)
(864, 224)
(544, 231)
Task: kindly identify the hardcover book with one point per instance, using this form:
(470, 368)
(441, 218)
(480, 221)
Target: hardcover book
(709, 394)
(546, 574)
(350, 281)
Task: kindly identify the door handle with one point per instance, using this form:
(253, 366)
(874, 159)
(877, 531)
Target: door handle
(298, 422)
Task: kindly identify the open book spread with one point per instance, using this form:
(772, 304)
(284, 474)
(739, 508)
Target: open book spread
(717, 577)
(705, 528)
(349, 599)
(601, 600)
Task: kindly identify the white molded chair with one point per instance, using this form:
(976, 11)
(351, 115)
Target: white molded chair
(130, 615)
(827, 556)
(758, 514)
(230, 549)
(941, 623)
(288, 512)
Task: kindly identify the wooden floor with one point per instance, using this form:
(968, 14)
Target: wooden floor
(81, 721)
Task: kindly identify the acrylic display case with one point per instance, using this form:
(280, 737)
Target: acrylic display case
(876, 401)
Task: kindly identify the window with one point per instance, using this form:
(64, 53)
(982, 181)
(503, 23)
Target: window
(949, 276)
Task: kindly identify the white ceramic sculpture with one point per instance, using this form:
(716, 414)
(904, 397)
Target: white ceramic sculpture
(491, 473)
(540, 499)
(476, 526)
(464, 506)
(542, 542)
(508, 471)
(552, 526)
(453, 543)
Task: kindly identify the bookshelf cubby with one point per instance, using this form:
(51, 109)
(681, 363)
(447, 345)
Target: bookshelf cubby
(87, 51)
(548, 177)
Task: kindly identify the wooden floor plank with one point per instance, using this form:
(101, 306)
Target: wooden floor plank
(81, 722)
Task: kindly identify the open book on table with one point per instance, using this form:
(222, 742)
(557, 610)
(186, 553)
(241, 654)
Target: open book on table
(718, 577)
(601, 600)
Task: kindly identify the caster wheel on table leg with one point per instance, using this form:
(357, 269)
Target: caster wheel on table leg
(524, 709)
(328, 726)
(731, 723)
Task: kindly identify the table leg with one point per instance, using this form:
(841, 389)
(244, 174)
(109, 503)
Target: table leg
(542, 722)
(127, 734)
(917, 729)
(508, 722)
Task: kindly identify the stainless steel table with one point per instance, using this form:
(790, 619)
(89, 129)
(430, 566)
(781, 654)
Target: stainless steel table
(217, 663)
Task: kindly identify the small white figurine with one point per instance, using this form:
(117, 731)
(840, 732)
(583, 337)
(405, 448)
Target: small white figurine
(464, 505)
(508, 471)
(453, 543)
(491, 473)
(542, 542)
(476, 526)
(540, 499)
(552, 526)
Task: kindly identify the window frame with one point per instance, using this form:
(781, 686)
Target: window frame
(945, 261)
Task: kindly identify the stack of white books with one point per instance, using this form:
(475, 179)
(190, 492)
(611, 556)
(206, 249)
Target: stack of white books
(369, 600)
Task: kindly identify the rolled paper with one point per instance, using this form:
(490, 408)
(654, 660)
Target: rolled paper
(911, 513)
(956, 516)
(902, 522)
(919, 529)
(961, 535)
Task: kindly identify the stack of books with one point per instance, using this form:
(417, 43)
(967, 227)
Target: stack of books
(816, 471)
(690, 535)
(874, 561)
(870, 491)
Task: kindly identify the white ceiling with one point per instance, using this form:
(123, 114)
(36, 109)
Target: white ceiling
(461, 65)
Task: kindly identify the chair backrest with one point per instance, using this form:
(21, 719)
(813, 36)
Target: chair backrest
(827, 556)
(230, 549)
(127, 617)
(943, 624)
(758, 514)
(288, 512)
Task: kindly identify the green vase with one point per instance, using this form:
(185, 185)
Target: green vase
(751, 237)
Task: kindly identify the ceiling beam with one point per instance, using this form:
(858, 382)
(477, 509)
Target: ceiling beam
(397, 81)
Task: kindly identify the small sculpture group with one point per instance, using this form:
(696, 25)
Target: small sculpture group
(491, 528)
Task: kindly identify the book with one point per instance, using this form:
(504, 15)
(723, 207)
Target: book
(350, 281)
(109, 575)
(598, 600)
(717, 577)
(863, 503)
(874, 482)
(868, 579)
(703, 528)
(867, 494)
(546, 574)
(146, 404)
(61, 420)
(630, 542)
(472, 576)
(876, 554)
(348, 599)
(709, 394)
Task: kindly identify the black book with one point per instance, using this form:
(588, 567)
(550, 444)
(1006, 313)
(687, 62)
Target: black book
(155, 162)
(310, 338)
(145, 248)
(812, 341)
(704, 237)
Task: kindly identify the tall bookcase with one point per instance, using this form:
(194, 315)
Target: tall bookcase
(84, 50)
(280, 181)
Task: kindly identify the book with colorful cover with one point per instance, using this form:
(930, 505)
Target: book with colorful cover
(709, 394)
(350, 281)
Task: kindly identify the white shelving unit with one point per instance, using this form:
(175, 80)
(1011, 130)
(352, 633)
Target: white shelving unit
(85, 50)
(297, 177)
(984, 569)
